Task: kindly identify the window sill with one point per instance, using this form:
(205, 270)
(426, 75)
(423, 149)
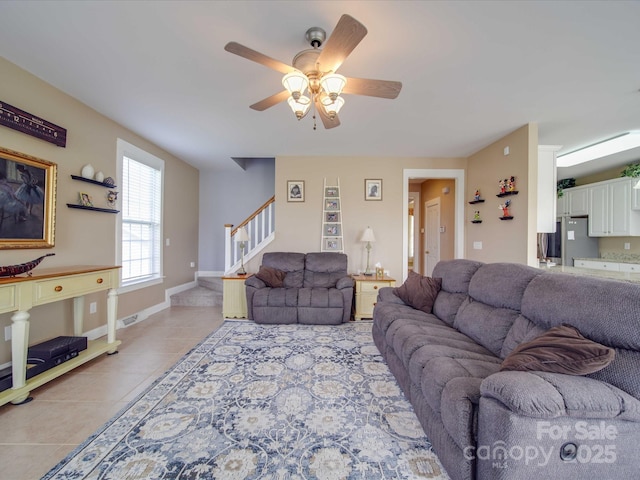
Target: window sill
(140, 285)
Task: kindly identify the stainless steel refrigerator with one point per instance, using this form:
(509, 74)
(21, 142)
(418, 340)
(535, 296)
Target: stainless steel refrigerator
(575, 241)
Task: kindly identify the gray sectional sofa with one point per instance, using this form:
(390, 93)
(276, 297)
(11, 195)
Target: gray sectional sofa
(315, 289)
(485, 423)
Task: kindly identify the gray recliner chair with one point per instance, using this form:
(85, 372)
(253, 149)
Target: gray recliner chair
(316, 289)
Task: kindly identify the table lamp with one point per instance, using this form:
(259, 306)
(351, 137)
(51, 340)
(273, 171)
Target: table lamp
(368, 237)
(242, 238)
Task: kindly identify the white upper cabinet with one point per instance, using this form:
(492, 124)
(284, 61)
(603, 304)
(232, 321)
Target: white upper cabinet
(574, 202)
(610, 213)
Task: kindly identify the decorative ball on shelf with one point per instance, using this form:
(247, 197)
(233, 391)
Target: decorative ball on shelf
(110, 182)
(87, 171)
(99, 177)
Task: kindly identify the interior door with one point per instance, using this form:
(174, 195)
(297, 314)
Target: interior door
(432, 235)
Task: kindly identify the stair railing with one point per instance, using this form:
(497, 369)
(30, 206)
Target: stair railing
(260, 226)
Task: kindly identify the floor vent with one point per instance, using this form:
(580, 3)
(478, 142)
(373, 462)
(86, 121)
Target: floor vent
(128, 321)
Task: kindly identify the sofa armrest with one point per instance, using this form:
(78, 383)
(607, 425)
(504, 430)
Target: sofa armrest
(385, 294)
(344, 282)
(254, 282)
(550, 395)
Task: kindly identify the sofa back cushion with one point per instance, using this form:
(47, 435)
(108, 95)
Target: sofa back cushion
(605, 311)
(289, 262)
(455, 275)
(324, 269)
(494, 302)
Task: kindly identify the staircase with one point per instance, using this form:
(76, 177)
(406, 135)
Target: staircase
(208, 293)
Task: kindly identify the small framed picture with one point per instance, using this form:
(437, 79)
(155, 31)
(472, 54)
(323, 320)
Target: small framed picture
(373, 189)
(295, 190)
(332, 244)
(331, 192)
(85, 200)
(332, 230)
(331, 216)
(332, 204)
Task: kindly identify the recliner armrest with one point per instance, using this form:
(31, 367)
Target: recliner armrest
(254, 282)
(550, 395)
(344, 282)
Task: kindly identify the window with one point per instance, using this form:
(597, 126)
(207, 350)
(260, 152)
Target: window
(141, 177)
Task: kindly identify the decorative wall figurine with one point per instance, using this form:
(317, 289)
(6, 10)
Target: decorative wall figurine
(505, 210)
(512, 184)
(111, 198)
(477, 195)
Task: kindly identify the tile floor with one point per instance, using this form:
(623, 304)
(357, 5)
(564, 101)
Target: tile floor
(35, 436)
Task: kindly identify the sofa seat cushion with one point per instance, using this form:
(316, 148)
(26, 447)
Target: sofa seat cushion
(439, 371)
(320, 298)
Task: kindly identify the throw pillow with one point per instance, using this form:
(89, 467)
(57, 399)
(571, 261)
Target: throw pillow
(560, 349)
(271, 276)
(418, 291)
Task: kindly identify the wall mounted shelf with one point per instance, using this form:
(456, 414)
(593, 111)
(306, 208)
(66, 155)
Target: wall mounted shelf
(89, 180)
(95, 209)
(506, 218)
(476, 221)
(506, 194)
(473, 202)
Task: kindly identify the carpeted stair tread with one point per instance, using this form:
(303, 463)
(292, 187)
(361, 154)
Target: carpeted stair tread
(212, 283)
(197, 297)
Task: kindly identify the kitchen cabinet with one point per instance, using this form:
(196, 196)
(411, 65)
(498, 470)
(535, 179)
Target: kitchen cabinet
(574, 202)
(610, 213)
(630, 267)
(597, 265)
(635, 195)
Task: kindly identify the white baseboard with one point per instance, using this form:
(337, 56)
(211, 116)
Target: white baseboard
(210, 273)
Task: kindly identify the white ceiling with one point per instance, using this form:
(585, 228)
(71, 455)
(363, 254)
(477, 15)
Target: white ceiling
(471, 72)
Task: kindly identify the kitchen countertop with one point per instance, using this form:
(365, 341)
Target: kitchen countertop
(624, 276)
(631, 260)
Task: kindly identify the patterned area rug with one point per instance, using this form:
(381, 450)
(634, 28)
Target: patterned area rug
(268, 402)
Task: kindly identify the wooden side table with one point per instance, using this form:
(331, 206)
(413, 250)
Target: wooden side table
(234, 298)
(367, 292)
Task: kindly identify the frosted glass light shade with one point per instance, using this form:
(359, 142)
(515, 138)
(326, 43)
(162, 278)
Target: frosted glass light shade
(333, 84)
(296, 83)
(300, 106)
(332, 107)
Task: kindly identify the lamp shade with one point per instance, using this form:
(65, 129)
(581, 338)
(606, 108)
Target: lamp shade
(241, 235)
(296, 83)
(368, 236)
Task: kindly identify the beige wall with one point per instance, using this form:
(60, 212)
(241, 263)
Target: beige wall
(83, 237)
(298, 225)
(504, 240)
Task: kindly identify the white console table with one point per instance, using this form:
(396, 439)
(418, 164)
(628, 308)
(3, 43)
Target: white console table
(48, 285)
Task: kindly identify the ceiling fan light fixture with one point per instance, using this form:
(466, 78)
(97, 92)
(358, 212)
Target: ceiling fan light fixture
(296, 83)
(300, 106)
(332, 107)
(333, 84)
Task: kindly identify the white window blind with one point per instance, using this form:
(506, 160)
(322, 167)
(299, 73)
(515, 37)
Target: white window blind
(141, 228)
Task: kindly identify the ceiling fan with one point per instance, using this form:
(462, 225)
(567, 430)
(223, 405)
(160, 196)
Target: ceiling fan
(315, 69)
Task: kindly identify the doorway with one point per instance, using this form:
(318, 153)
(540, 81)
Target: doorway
(413, 235)
(434, 173)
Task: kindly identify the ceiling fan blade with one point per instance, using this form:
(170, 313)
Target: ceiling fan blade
(326, 121)
(249, 54)
(344, 38)
(372, 88)
(270, 101)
